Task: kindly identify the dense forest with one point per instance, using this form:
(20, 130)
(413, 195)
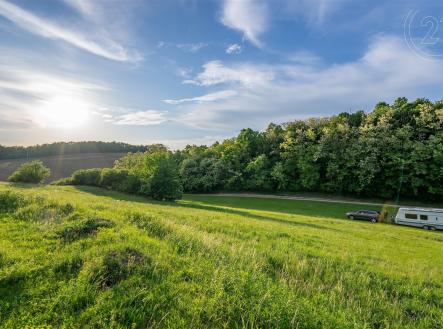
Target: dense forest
(17, 152)
(395, 150)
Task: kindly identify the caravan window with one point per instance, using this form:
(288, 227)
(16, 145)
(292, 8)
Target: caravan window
(411, 216)
(424, 217)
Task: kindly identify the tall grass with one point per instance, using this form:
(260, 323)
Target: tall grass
(103, 259)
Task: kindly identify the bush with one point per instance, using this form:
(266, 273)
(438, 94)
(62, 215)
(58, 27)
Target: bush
(119, 180)
(10, 201)
(30, 172)
(89, 177)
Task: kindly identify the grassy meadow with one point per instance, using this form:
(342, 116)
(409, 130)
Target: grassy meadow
(86, 257)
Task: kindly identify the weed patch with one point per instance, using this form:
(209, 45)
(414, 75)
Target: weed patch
(82, 228)
(117, 266)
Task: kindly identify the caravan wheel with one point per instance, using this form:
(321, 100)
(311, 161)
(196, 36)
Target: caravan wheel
(432, 228)
(426, 228)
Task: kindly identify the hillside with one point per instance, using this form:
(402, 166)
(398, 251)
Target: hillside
(77, 257)
(63, 165)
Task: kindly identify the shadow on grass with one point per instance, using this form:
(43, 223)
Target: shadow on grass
(133, 198)
(255, 216)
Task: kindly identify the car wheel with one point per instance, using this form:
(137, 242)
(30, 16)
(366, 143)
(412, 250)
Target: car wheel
(432, 228)
(351, 217)
(373, 220)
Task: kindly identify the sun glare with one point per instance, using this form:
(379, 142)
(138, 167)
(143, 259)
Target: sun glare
(63, 112)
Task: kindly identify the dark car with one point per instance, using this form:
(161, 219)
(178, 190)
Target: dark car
(371, 215)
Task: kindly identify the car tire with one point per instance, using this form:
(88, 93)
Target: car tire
(351, 217)
(373, 220)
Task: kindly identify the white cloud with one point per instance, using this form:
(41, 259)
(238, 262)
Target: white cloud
(192, 47)
(247, 16)
(139, 118)
(235, 48)
(215, 72)
(102, 46)
(183, 72)
(211, 97)
(303, 88)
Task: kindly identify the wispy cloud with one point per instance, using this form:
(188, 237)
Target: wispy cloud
(216, 72)
(104, 47)
(235, 48)
(247, 16)
(314, 11)
(139, 118)
(254, 17)
(192, 47)
(303, 88)
(211, 97)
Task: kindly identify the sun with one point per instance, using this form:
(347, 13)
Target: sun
(63, 112)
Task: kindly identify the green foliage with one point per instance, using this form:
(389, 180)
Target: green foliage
(91, 177)
(157, 172)
(165, 182)
(10, 201)
(395, 150)
(153, 174)
(211, 262)
(119, 180)
(30, 172)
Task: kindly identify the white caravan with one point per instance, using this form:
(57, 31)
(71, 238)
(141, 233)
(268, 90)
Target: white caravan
(429, 219)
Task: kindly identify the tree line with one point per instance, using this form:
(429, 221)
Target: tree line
(393, 151)
(60, 148)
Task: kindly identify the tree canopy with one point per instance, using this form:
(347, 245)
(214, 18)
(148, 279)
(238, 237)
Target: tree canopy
(395, 150)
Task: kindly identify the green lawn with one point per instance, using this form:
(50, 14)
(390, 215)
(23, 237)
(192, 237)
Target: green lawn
(85, 257)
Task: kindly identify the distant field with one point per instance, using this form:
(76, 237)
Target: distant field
(86, 257)
(63, 165)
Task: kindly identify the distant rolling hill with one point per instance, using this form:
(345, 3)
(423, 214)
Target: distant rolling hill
(63, 165)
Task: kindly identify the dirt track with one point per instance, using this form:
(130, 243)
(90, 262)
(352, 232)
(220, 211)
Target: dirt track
(294, 197)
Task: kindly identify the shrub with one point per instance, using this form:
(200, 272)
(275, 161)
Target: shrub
(10, 201)
(90, 177)
(119, 180)
(30, 172)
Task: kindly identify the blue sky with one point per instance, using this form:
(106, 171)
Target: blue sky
(190, 71)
